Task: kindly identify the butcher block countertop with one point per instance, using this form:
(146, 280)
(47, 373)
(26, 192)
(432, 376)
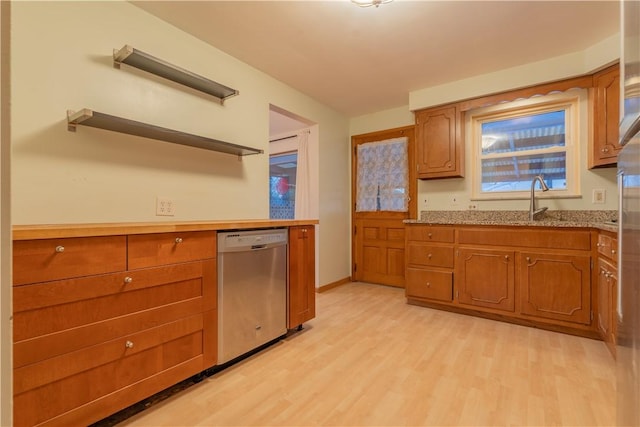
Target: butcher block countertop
(52, 231)
(563, 219)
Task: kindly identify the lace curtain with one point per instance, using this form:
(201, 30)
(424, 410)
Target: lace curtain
(382, 178)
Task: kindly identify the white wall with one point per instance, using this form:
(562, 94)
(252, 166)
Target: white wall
(437, 194)
(63, 60)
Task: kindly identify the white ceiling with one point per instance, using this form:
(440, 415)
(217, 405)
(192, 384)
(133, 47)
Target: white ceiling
(360, 61)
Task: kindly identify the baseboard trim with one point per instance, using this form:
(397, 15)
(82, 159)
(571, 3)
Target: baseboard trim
(335, 284)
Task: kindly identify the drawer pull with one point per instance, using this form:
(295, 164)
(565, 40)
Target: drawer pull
(430, 235)
(59, 248)
(128, 344)
(429, 256)
(178, 240)
(128, 279)
(428, 284)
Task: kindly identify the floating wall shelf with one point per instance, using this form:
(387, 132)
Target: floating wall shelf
(87, 117)
(138, 59)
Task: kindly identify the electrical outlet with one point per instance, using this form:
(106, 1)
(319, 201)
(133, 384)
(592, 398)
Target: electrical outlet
(165, 207)
(598, 196)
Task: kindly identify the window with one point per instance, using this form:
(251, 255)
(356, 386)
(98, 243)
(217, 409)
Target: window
(515, 142)
(282, 185)
(383, 176)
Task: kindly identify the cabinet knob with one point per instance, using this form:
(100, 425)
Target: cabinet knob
(430, 235)
(128, 344)
(605, 150)
(178, 239)
(429, 256)
(304, 230)
(128, 279)
(598, 244)
(428, 284)
(528, 259)
(59, 248)
(506, 258)
(613, 251)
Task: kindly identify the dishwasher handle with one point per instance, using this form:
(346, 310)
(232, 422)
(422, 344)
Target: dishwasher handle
(257, 247)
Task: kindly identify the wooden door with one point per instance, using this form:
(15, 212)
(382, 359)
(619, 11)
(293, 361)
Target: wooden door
(556, 286)
(378, 237)
(485, 278)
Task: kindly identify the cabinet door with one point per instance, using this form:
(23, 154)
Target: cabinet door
(302, 297)
(439, 143)
(556, 287)
(604, 299)
(485, 278)
(606, 117)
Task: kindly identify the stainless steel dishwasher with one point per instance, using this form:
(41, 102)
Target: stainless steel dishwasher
(252, 290)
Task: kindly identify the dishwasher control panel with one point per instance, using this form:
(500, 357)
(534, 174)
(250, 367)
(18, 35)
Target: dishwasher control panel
(251, 239)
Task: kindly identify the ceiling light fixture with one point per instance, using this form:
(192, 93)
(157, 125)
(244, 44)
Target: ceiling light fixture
(369, 3)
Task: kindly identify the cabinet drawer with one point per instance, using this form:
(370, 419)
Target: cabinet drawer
(148, 250)
(54, 259)
(50, 307)
(127, 368)
(542, 238)
(608, 247)
(428, 255)
(429, 284)
(427, 233)
(56, 368)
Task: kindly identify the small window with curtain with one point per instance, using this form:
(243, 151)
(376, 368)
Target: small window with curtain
(516, 141)
(383, 176)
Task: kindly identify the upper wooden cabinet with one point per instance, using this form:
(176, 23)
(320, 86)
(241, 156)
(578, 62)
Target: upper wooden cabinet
(440, 144)
(606, 117)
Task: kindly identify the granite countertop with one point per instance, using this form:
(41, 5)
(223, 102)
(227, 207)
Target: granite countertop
(603, 220)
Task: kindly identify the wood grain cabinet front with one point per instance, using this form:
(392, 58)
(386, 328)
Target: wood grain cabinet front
(440, 144)
(485, 278)
(429, 263)
(87, 346)
(302, 276)
(606, 114)
(607, 288)
(556, 286)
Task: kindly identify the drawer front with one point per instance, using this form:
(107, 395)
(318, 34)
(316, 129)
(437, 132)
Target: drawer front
(58, 397)
(149, 250)
(51, 307)
(66, 365)
(437, 285)
(608, 246)
(428, 255)
(539, 238)
(53, 259)
(427, 233)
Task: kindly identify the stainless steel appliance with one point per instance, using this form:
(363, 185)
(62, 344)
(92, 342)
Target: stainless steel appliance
(628, 308)
(252, 290)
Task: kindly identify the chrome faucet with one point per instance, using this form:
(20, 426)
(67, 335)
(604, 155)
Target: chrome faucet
(532, 202)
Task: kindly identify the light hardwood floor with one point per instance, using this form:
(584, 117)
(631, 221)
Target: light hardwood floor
(370, 359)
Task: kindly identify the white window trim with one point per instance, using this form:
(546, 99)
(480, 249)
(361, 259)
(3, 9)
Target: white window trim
(571, 102)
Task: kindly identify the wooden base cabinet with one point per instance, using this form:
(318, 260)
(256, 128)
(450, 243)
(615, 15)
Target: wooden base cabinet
(429, 260)
(607, 284)
(532, 276)
(87, 345)
(302, 276)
